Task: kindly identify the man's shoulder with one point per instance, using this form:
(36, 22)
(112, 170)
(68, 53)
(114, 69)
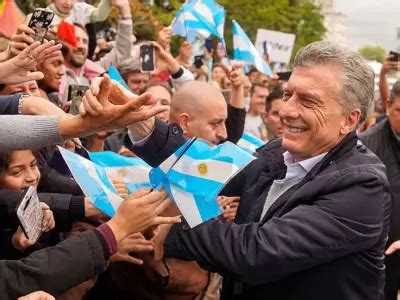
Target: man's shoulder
(375, 133)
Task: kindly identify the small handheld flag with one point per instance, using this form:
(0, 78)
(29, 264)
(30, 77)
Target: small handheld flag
(250, 143)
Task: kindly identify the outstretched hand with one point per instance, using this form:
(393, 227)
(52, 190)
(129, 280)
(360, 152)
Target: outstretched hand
(127, 110)
(18, 69)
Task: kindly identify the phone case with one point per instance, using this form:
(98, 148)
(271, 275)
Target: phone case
(40, 22)
(75, 94)
(30, 215)
(147, 58)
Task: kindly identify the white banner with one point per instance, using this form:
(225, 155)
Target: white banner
(278, 45)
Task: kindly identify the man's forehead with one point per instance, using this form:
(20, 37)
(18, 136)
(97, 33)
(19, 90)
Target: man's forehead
(316, 77)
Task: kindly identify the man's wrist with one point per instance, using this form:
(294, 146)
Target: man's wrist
(143, 129)
(117, 230)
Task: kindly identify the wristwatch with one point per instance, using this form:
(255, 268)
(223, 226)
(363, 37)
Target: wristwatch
(21, 101)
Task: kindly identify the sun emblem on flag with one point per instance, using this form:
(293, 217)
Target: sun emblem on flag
(122, 172)
(202, 168)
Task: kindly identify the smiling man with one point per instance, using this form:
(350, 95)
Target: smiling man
(314, 209)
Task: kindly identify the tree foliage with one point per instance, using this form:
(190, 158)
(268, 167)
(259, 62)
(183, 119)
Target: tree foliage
(371, 52)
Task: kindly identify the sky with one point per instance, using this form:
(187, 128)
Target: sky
(373, 22)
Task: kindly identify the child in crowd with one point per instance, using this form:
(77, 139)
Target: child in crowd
(18, 171)
(78, 12)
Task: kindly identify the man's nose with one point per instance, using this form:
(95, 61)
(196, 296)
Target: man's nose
(289, 109)
(221, 132)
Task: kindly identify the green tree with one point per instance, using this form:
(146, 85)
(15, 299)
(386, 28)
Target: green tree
(371, 52)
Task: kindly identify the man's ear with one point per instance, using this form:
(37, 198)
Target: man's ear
(351, 121)
(265, 116)
(184, 119)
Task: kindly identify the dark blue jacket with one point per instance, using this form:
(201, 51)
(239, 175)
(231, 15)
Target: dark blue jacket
(322, 239)
(9, 104)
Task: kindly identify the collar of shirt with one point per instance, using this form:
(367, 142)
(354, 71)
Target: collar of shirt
(72, 74)
(297, 170)
(396, 135)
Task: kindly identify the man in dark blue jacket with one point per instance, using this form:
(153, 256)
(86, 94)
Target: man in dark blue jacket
(314, 210)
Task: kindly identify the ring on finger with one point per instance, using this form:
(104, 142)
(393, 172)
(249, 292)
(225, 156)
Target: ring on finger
(30, 56)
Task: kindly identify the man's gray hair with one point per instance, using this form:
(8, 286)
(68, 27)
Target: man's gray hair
(358, 78)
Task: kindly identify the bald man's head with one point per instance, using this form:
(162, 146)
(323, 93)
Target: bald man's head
(200, 109)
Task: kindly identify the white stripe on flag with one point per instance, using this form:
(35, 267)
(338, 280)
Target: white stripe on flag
(167, 164)
(128, 174)
(215, 170)
(187, 205)
(205, 12)
(115, 200)
(245, 144)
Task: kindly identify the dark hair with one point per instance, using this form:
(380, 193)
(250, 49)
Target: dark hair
(152, 83)
(2, 86)
(5, 158)
(252, 70)
(222, 66)
(274, 95)
(255, 85)
(127, 71)
(394, 93)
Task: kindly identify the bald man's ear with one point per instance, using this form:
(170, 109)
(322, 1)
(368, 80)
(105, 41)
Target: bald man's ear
(184, 119)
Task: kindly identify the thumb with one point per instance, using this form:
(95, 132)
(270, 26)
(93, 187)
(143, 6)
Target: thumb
(393, 248)
(105, 89)
(32, 76)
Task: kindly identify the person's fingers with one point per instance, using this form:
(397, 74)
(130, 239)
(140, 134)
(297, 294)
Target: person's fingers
(143, 99)
(27, 51)
(139, 194)
(142, 115)
(33, 76)
(19, 46)
(22, 28)
(95, 85)
(393, 248)
(44, 49)
(163, 205)
(22, 38)
(131, 259)
(153, 199)
(166, 220)
(52, 54)
(105, 89)
(87, 109)
(93, 104)
(82, 110)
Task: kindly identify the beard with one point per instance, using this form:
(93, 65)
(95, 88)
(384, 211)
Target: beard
(78, 62)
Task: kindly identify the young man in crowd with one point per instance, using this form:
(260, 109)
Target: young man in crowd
(384, 140)
(272, 121)
(254, 122)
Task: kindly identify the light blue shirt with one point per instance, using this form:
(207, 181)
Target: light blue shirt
(295, 173)
(296, 170)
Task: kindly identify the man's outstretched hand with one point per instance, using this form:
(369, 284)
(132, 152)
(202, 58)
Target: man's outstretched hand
(116, 113)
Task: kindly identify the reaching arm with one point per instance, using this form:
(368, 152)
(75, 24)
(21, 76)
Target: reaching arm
(312, 234)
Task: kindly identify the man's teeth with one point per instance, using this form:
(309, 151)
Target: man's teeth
(295, 129)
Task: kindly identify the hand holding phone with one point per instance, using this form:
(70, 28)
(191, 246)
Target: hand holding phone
(147, 58)
(75, 95)
(30, 215)
(40, 22)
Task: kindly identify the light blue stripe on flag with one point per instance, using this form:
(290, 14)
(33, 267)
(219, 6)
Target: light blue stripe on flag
(93, 181)
(250, 143)
(197, 177)
(244, 50)
(133, 171)
(115, 75)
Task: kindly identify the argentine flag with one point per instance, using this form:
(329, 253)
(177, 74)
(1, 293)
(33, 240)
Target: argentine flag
(196, 173)
(115, 75)
(132, 171)
(244, 50)
(250, 143)
(93, 181)
(204, 17)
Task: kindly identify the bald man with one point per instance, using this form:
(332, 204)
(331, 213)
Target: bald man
(200, 110)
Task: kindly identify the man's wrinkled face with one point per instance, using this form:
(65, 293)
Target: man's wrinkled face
(311, 115)
(393, 113)
(272, 120)
(29, 88)
(163, 98)
(78, 55)
(64, 6)
(258, 98)
(137, 80)
(209, 123)
(53, 70)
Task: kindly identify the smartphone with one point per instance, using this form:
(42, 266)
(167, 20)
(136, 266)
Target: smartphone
(30, 215)
(394, 56)
(198, 61)
(147, 58)
(209, 44)
(40, 22)
(75, 95)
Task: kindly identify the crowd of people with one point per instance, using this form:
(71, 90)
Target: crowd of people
(314, 216)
